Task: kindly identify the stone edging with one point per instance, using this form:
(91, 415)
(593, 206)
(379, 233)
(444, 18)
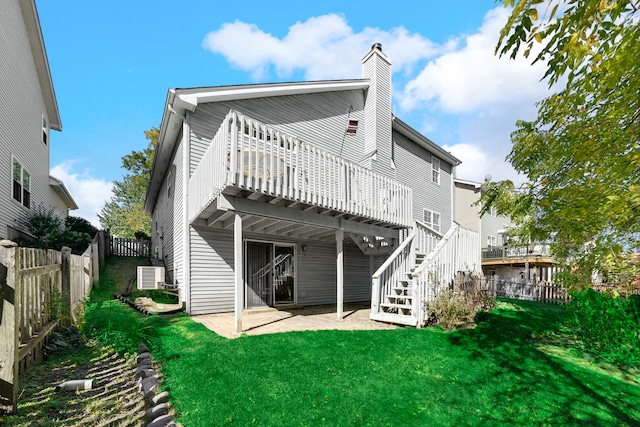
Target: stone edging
(159, 413)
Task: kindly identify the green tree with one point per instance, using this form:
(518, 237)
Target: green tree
(581, 155)
(124, 214)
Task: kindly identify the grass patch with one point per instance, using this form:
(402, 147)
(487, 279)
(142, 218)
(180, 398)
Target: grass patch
(514, 368)
(495, 374)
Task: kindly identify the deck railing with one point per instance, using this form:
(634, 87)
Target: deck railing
(515, 252)
(247, 154)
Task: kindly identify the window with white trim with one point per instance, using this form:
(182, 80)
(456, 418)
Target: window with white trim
(45, 131)
(491, 241)
(493, 211)
(431, 219)
(21, 185)
(435, 170)
(169, 183)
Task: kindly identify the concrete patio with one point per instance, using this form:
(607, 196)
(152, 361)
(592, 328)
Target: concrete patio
(286, 319)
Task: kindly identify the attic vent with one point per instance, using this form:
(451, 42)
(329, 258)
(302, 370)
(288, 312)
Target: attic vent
(352, 127)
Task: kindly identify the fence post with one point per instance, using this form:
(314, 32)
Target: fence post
(66, 286)
(95, 263)
(9, 321)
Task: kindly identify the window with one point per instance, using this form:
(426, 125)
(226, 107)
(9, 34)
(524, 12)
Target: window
(352, 127)
(435, 170)
(169, 183)
(493, 211)
(21, 185)
(45, 131)
(491, 241)
(432, 219)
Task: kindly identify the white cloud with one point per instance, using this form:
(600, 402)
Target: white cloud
(471, 76)
(459, 92)
(477, 163)
(322, 47)
(90, 193)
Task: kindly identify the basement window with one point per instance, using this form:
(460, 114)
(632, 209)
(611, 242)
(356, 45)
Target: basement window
(352, 127)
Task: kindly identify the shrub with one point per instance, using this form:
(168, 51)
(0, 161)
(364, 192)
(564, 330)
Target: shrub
(607, 326)
(454, 308)
(52, 232)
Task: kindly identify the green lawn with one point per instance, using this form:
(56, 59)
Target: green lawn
(496, 374)
(514, 368)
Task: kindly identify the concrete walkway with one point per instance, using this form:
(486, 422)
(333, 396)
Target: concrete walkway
(271, 320)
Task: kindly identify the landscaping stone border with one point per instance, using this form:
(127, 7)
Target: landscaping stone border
(159, 412)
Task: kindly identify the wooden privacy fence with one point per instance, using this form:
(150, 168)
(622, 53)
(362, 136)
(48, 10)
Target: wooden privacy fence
(129, 247)
(39, 289)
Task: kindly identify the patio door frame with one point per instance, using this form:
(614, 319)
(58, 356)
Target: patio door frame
(273, 244)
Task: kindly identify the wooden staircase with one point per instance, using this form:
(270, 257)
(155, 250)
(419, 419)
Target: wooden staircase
(397, 305)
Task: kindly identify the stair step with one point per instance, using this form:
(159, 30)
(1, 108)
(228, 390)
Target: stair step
(397, 297)
(399, 319)
(402, 288)
(395, 305)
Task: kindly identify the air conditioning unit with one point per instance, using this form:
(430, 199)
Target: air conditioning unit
(150, 277)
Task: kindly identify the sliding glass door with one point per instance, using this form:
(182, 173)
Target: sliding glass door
(269, 274)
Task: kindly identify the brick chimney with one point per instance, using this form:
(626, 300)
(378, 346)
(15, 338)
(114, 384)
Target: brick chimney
(377, 110)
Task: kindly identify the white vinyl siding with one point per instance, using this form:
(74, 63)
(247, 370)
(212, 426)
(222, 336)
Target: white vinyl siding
(167, 218)
(212, 277)
(413, 168)
(466, 213)
(319, 119)
(22, 115)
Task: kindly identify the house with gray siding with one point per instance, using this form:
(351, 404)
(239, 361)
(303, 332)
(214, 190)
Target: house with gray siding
(302, 193)
(501, 257)
(28, 112)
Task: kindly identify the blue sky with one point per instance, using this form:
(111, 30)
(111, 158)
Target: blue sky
(113, 62)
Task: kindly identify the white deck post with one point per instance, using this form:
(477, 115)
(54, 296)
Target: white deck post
(340, 272)
(238, 268)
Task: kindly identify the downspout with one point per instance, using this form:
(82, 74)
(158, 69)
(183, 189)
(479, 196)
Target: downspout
(186, 256)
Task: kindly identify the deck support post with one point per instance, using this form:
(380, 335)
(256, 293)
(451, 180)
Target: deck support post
(238, 269)
(340, 272)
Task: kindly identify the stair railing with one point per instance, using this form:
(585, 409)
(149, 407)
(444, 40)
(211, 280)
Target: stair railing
(459, 250)
(391, 271)
(426, 238)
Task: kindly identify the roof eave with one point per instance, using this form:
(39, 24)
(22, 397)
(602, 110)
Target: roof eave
(425, 142)
(59, 187)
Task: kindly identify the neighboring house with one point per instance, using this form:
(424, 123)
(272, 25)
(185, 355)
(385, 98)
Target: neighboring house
(296, 193)
(28, 112)
(501, 258)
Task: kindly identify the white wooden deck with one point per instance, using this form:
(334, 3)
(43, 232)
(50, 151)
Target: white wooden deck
(250, 157)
